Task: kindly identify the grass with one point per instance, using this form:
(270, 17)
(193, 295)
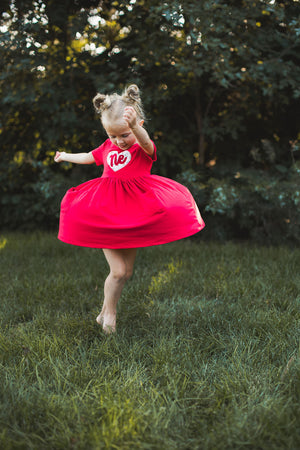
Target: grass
(206, 355)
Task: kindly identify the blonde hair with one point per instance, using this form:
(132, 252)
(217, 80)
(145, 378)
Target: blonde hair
(112, 106)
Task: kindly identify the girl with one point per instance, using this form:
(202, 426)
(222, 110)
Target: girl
(127, 207)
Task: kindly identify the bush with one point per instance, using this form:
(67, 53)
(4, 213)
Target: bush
(30, 196)
(261, 205)
(251, 204)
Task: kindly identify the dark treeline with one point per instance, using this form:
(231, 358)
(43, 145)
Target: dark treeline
(220, 82)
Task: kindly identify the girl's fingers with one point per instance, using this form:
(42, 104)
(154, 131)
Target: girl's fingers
(129, 110)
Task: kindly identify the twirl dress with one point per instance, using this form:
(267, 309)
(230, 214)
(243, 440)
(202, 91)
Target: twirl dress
(127, 207)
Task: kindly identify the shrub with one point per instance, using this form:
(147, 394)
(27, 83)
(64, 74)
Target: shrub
(250, 203)
(30, 195)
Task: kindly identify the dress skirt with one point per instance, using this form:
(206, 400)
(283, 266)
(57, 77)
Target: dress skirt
(112, 212)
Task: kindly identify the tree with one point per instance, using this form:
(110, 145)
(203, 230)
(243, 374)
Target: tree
(219, 78)
(225, 63)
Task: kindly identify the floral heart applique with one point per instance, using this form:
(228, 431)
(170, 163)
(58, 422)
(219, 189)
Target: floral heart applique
(117, 161)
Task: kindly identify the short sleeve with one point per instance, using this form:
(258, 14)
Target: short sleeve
(98, 155)
(153, 157)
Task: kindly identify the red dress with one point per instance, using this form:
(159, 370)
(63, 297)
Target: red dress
(127, 207)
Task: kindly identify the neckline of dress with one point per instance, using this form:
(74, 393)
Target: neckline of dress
(127, 149)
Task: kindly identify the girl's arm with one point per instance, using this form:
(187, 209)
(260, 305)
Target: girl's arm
(78, 158)
(143, 139)
(140, 133)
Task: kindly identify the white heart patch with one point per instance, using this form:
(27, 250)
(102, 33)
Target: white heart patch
(117, 161)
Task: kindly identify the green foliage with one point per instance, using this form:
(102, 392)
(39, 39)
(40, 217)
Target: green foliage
(251, 204)
(30, 194)
(217, 77)
(202, 358)
(210, 70)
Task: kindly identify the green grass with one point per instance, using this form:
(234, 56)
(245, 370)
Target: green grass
(206, 355)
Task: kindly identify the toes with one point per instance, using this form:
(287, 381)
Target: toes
(109, 329)
(109, 325)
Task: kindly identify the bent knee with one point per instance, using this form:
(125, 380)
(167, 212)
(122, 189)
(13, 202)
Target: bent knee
(122, 274)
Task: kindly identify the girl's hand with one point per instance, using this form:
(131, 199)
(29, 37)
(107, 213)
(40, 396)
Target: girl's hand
(59, 157)
(129, 116)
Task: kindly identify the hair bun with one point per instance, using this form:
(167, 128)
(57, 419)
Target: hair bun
(99, 102)
(132, 92)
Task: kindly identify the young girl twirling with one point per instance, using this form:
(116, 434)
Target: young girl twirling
(127, 207)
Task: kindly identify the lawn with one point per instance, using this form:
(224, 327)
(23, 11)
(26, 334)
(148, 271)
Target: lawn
(206, 355)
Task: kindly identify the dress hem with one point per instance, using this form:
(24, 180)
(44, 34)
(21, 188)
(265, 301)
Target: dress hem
(158, 242)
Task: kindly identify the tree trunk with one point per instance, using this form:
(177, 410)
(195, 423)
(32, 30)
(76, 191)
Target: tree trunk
(201, 137)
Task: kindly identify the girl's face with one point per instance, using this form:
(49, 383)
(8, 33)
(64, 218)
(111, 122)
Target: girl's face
(120, 134)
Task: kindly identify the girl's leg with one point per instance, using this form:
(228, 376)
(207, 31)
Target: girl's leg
(121, 262)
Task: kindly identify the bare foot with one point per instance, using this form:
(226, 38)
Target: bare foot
(107, 321)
